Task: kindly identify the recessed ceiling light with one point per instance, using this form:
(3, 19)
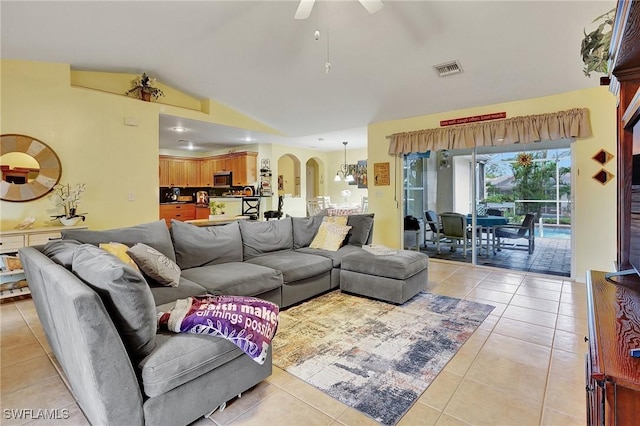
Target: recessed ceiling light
(179, 129)
(248, 139)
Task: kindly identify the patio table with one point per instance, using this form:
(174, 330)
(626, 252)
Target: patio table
(486, 224)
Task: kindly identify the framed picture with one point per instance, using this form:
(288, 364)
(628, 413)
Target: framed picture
(381, 174)
(353, 171)
(362, 174)
(280, 183)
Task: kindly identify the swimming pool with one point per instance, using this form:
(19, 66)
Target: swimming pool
(552, 231)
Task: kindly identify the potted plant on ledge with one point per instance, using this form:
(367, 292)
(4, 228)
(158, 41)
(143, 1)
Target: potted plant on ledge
(144, 87)
(68, 197)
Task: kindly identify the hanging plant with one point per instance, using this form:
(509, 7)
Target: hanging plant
(525, 160)
(595, 45)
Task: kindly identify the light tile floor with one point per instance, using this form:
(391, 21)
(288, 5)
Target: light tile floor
(524, 365)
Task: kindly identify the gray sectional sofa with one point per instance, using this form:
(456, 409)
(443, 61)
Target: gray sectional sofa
(99, 315)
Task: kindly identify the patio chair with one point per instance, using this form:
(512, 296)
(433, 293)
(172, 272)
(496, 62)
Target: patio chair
(432, 224)
(517, 232)
(454, 228)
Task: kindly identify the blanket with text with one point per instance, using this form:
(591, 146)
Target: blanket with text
(248, 322)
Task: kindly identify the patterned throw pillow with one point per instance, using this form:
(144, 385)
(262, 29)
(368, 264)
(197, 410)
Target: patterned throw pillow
(481, 209)
(338, 220)
(120, 251)
(155, 265)
(330, 236)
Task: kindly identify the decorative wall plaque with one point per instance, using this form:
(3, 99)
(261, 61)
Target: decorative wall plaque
(381, 174)
(603, 176)
(602, 157)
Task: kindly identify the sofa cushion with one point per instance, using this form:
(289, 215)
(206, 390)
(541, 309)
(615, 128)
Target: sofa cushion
(61, 251)
(235, 278)
(124, 292)
(199, 246)
(155, 265)
(294, 265)
(361, 227)
(330, 236)
(305, 228)
(180, 358)
(163, 294)
(154, 234)
(259, 238)
(335, 256)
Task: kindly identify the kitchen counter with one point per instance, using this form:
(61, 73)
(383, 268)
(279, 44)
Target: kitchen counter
(221, 220)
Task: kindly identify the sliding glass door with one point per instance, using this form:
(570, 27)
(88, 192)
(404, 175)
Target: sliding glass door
(517, 185)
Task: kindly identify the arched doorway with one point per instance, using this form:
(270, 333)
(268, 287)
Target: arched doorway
(289, 176)
(315, 179)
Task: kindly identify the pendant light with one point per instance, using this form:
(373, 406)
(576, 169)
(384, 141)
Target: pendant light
(343, 171)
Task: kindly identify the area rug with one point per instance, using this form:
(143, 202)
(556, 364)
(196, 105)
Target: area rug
(373, 356)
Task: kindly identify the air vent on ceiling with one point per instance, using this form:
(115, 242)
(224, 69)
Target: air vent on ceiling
(448, 68)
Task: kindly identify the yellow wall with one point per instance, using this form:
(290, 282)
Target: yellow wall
(594, 222)
(86, 129)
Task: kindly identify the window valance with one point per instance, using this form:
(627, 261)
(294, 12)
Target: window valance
(573, 123)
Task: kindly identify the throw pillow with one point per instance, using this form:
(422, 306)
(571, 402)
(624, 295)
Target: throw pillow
(481, 209)
(125, 294)
(330, 236)
(155, 265)
(338, 220)
(305, 228)
(361, 225)
(120, 251)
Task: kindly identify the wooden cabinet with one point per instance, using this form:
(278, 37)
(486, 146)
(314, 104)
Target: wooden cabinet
(180, 212)
(190, 172)
(243, 168)
(202, 212)
(613, 375)
(177, 171)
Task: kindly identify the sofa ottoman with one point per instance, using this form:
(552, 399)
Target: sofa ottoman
(393, 278)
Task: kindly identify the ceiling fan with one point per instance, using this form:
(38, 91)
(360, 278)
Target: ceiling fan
(305, 6)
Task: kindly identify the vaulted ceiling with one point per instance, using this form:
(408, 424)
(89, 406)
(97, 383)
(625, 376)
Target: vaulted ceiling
(256, 58)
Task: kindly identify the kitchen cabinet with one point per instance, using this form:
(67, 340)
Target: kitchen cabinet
(202, 212)
(177, 171)
(178, 211)
(198, 172)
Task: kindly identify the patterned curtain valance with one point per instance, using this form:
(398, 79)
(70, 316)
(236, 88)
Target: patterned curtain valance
(573, 123)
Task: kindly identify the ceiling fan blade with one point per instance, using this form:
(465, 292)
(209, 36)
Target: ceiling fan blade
(304, 9)
(372, 6)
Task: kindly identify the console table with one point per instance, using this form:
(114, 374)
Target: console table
(612, 375)
(12, 282)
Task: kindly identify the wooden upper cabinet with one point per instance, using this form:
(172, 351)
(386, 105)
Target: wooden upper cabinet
(191, 172)
(176, 171)
(164, 166)
(244, 169)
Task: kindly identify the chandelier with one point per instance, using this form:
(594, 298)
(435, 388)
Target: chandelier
(343, 171)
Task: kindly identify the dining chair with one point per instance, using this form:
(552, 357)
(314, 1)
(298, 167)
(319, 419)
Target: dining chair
(275, 214)
(251, 207)
(364, 205)
(313, 207)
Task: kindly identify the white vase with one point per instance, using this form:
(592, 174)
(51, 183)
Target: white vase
(69, 221)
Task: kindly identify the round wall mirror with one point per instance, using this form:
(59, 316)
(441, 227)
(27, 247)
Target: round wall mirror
(30, 168)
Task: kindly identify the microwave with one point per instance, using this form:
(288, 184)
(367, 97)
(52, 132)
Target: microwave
(222, 180)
